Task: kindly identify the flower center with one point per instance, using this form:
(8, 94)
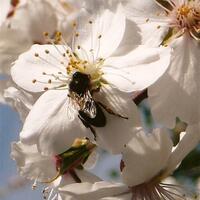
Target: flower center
(184, 17)
(85, 66)
(188, 16)
(184, 10)
(156, 191)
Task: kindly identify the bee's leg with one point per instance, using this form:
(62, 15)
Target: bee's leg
(110, 111)
(87, 125)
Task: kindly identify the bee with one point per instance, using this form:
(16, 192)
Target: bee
(90, 112)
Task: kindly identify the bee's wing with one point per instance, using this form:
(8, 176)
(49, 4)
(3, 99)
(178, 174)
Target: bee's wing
(72, 108)
(89, 106)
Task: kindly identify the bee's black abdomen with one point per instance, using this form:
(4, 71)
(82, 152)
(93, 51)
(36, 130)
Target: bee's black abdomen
(80, 83)
(98, 121)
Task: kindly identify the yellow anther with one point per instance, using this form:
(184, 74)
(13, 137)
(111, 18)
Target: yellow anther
(184, 10)
(36, 55)
(58, 34)
(46, 34)
(74, 24)
(46, 88)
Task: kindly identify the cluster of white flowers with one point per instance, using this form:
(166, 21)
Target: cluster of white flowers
(77, 70)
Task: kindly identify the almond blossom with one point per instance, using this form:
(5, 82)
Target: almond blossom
(51, 68)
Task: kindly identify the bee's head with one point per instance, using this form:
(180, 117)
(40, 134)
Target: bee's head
(80, 83)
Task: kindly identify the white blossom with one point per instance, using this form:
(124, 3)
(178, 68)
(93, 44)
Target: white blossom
(53, 170)
(146, 162)
(172, 23)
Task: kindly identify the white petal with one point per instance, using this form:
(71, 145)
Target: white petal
(151, 20)
(128, 42)
(12, 44)
(189, 141)
(110, 26)
(84, 176)
(29, 67)
(39, 17)
(5, 6)
(118, 129)
(145, 156)
(4, 83)
(31, 164)
(49, 126)
(96, 191)
(138, 69)
(119, 197)
(177, 93)
(19, 100)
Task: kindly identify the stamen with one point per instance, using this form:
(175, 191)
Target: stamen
(34, 186)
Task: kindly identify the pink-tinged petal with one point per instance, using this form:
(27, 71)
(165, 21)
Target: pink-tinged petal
(48, 124)
(145, 156)
(39, 68)
(138, 69)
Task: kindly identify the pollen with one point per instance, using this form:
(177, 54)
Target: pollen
(46, 34)
(46, 88)
(74, 24)
(184, 10)
(47, 51)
